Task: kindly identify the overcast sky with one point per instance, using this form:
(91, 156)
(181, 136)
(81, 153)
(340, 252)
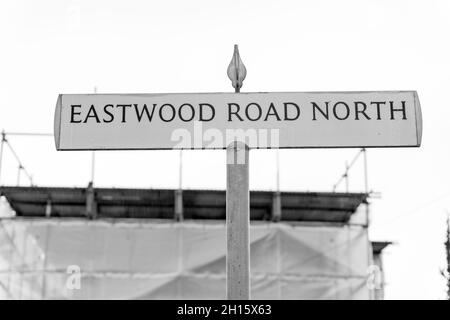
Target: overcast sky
(51, 47)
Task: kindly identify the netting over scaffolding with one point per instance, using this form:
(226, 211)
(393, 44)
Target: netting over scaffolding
(155, 259)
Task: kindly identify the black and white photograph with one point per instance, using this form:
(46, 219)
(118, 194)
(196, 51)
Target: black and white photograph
(209, 152)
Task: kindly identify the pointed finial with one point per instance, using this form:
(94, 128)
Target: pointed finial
(236, 70)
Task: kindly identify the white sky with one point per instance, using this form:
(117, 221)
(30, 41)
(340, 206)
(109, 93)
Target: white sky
(50, 47)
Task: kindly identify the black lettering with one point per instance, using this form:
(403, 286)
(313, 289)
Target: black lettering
(73, 113)
(358, 111)
(213, 112)
(378, 104)
(272, 112)
(325, 114)
(180, 113)
(346, 108)
(111, 116)
(234, 112)
(286, 111)
(93, 115)
(144, 109)
(173, 112)
(124, 108)
(259, 111)
(402, 109)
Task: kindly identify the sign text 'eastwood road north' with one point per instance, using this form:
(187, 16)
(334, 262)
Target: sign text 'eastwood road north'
(214, 120)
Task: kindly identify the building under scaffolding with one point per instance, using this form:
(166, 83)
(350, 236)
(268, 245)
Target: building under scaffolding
(155, 244)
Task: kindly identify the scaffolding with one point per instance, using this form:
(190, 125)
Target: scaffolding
(177, 258)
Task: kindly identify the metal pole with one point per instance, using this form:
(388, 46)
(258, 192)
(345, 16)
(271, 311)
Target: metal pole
(276, 200)
(238, 222)
(278, 170)
(19, 168)
(93, 154)
(366, 182)
(93, 167)
(366, 186)
(238, 202)
(1, 151)
(29, 134)
(346, 177)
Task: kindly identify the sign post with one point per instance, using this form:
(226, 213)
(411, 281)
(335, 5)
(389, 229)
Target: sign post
(238, 203)
(238, 122)
(238, 222)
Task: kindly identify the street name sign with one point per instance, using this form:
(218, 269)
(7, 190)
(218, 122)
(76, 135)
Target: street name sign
(214, 120)
(237, 122)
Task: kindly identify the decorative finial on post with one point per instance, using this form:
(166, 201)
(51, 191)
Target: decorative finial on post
(236, 70)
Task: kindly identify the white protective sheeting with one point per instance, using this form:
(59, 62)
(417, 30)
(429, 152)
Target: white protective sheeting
(148, 259)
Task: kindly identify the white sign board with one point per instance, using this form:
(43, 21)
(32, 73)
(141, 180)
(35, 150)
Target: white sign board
(214, 120)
